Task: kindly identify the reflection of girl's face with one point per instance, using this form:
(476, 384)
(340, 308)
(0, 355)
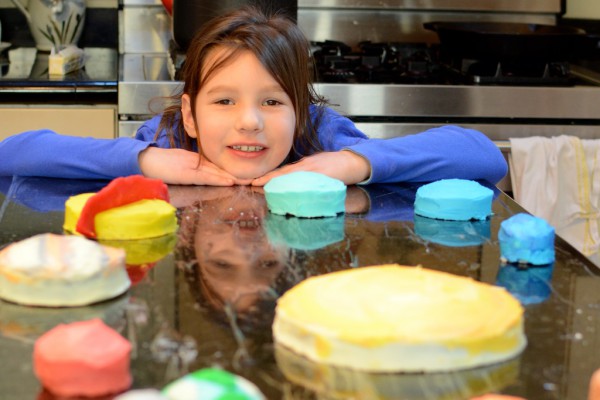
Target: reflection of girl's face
(233, 252)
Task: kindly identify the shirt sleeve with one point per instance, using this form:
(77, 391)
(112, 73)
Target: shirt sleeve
(439, 153)
(47, 154)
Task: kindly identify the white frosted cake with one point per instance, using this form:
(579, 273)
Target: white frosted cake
(454, 199)
(305, 194)
(526, 239)
(60, 271)
(395, 318)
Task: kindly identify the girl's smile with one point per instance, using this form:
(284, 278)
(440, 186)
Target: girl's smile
(245, 120)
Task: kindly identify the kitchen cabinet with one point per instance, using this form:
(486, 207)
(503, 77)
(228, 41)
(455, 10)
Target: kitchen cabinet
(97, 121)
(81, 103)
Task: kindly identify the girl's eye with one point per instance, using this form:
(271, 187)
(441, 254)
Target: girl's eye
(272, 102)
(224, 102)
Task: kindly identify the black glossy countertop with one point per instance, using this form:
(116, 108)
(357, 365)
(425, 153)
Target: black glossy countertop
(210, 300)
(25, 69)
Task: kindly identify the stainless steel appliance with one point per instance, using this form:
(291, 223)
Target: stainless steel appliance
(388, 108)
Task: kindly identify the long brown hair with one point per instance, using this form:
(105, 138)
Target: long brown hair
(281, 48)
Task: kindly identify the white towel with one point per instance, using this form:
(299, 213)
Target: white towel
(558, 179)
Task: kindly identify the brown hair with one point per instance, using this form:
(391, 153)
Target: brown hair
(281, 48)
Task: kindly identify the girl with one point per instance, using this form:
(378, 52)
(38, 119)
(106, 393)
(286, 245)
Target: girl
(247, 113)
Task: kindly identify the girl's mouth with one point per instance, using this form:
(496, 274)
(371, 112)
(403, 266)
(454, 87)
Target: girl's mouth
(248, 149)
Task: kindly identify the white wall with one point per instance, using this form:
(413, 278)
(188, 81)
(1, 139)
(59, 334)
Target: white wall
(583, 9)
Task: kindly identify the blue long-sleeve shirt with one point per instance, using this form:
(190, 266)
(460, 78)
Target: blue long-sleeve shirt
(439, 153)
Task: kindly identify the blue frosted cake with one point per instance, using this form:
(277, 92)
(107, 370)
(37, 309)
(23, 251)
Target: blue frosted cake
(454, 199)
(305, 194)
(526, 239)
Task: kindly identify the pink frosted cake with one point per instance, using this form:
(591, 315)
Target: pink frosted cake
(85, 358)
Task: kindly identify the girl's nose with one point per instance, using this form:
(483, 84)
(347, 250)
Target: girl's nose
(250, 119)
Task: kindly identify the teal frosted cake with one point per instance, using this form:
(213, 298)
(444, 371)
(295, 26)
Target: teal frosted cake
(454, 200)
(305, 194)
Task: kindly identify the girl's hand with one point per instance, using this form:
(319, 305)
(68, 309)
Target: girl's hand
(344, 165)
(177, 166)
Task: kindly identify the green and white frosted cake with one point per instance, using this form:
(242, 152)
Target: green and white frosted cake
(305, 194)
(212, 384)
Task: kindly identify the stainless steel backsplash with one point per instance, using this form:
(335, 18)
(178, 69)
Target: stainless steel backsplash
(146, 28)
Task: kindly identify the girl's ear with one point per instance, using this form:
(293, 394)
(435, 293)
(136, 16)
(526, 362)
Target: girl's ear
(186, 113)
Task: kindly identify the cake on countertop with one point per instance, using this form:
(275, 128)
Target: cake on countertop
(526, 239)
(212, 384)
(454, 199)
(61, 271)
(127, 208)
(397, 318)
(85, 358)
(305, 194)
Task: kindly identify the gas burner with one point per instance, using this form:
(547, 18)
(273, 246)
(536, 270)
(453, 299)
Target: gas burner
(374, 62)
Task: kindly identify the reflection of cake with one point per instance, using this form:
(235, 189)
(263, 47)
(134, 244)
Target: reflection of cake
(56, 270)
(85, 358)
(396, 318)
(305, 194)
(142, 219)
(343, 383)
(212, 384)
(144, 251)
(28, 323)
(304, 233)
(453, 233)
(454, 199)
(528, 239)
(529, 285)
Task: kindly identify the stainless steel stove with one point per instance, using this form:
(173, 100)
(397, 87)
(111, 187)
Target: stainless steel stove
(397, 85)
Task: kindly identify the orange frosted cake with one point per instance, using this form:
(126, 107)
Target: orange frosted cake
(398, 318)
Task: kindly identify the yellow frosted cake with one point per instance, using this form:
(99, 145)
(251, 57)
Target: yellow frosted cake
(396, 318)
(142, 219)
(61, 271)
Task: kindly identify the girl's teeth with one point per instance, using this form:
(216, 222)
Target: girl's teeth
(248, 148)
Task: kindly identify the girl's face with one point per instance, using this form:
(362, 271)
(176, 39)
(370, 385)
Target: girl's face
(246, 121)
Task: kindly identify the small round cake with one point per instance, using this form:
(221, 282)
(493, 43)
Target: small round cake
(85, 358)
(394, 318)
(212, 384)
(526, 239)
(147, 218)
(454, 199)
(61, 271)
(306, 194)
